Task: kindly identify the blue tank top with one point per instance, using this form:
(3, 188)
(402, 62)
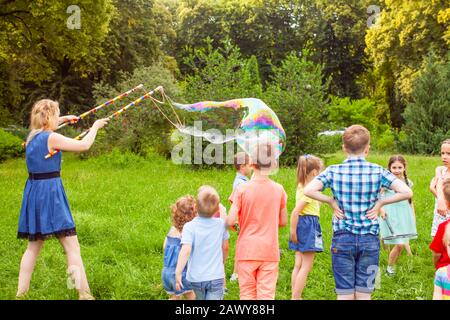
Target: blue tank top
(36, 151)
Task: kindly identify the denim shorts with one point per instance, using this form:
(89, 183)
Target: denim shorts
(355, 260)
(209, 290)
(169, 283)
(309, 235)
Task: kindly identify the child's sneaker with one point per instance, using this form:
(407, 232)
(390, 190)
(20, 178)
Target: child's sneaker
(234, 277)
(390, 270)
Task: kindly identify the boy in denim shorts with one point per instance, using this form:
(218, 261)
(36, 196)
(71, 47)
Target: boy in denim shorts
(356, 186)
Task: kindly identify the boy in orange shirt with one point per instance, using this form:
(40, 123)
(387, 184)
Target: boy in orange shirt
(260, 206)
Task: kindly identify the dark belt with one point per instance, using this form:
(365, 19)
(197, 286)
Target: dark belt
(43, 176)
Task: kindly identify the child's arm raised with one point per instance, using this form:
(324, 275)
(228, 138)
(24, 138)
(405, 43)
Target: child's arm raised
(402, 192)
(314, 191)
(58, 141)
(183, 257)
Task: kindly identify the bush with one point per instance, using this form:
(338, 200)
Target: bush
(141, 129)
(296, 93)
(344, 112)
(10, 146)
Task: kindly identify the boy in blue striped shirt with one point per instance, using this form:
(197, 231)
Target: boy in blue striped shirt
(356, 185)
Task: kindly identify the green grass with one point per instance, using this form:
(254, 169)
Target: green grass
(121, 208)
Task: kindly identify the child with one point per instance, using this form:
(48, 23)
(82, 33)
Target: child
(442, 279)
(243, 168)
(356, 186)
(260, 206)
(45, 210)
(305, 233)
(202, 243)
(441, 213)
(440, 253)
(183, 211)
(397, 217)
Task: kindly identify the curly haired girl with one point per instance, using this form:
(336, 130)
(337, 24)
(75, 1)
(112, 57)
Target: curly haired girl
(183, 211)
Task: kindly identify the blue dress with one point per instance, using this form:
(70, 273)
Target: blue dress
(45, 210)
(171, 252)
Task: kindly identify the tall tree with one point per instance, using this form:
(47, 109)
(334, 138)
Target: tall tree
(405, 32)
(47, 41)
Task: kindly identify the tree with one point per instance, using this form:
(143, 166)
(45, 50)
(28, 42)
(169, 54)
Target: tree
(405, 32)
(336, 31)
(41, 53)
(427, 117)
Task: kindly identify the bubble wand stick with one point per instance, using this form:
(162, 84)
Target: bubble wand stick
(114, 115)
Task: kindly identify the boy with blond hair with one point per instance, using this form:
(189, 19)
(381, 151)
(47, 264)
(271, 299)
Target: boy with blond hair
(260, 207)
(203, 240)
(356, 186)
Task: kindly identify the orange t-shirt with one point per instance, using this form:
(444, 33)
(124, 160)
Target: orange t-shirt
(259, 203)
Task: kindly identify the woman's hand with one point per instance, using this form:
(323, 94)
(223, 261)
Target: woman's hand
(100, 123)
(70, 119)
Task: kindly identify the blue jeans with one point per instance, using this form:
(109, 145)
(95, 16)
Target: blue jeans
(209, 290)
(355, 260)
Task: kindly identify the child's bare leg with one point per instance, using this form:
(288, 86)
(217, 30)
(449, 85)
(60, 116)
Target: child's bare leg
(302, 275)
(174, 297)
(75, 266)
(27, 266)
(297, 266)
(346, 296)
(395, 253)
(189, 295)
(408, 249)
(363, 296)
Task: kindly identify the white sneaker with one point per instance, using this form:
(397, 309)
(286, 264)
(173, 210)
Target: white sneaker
(234, 277)
(390, 270)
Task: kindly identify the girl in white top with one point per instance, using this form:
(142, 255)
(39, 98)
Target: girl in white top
(441, 213)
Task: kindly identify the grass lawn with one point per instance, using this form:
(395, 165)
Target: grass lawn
(121, 209)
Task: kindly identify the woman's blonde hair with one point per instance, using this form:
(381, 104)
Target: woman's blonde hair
(44, 116)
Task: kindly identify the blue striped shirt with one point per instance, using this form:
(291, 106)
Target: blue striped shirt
(356, 186)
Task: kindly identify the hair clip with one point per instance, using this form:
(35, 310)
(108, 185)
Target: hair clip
(307, 156)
